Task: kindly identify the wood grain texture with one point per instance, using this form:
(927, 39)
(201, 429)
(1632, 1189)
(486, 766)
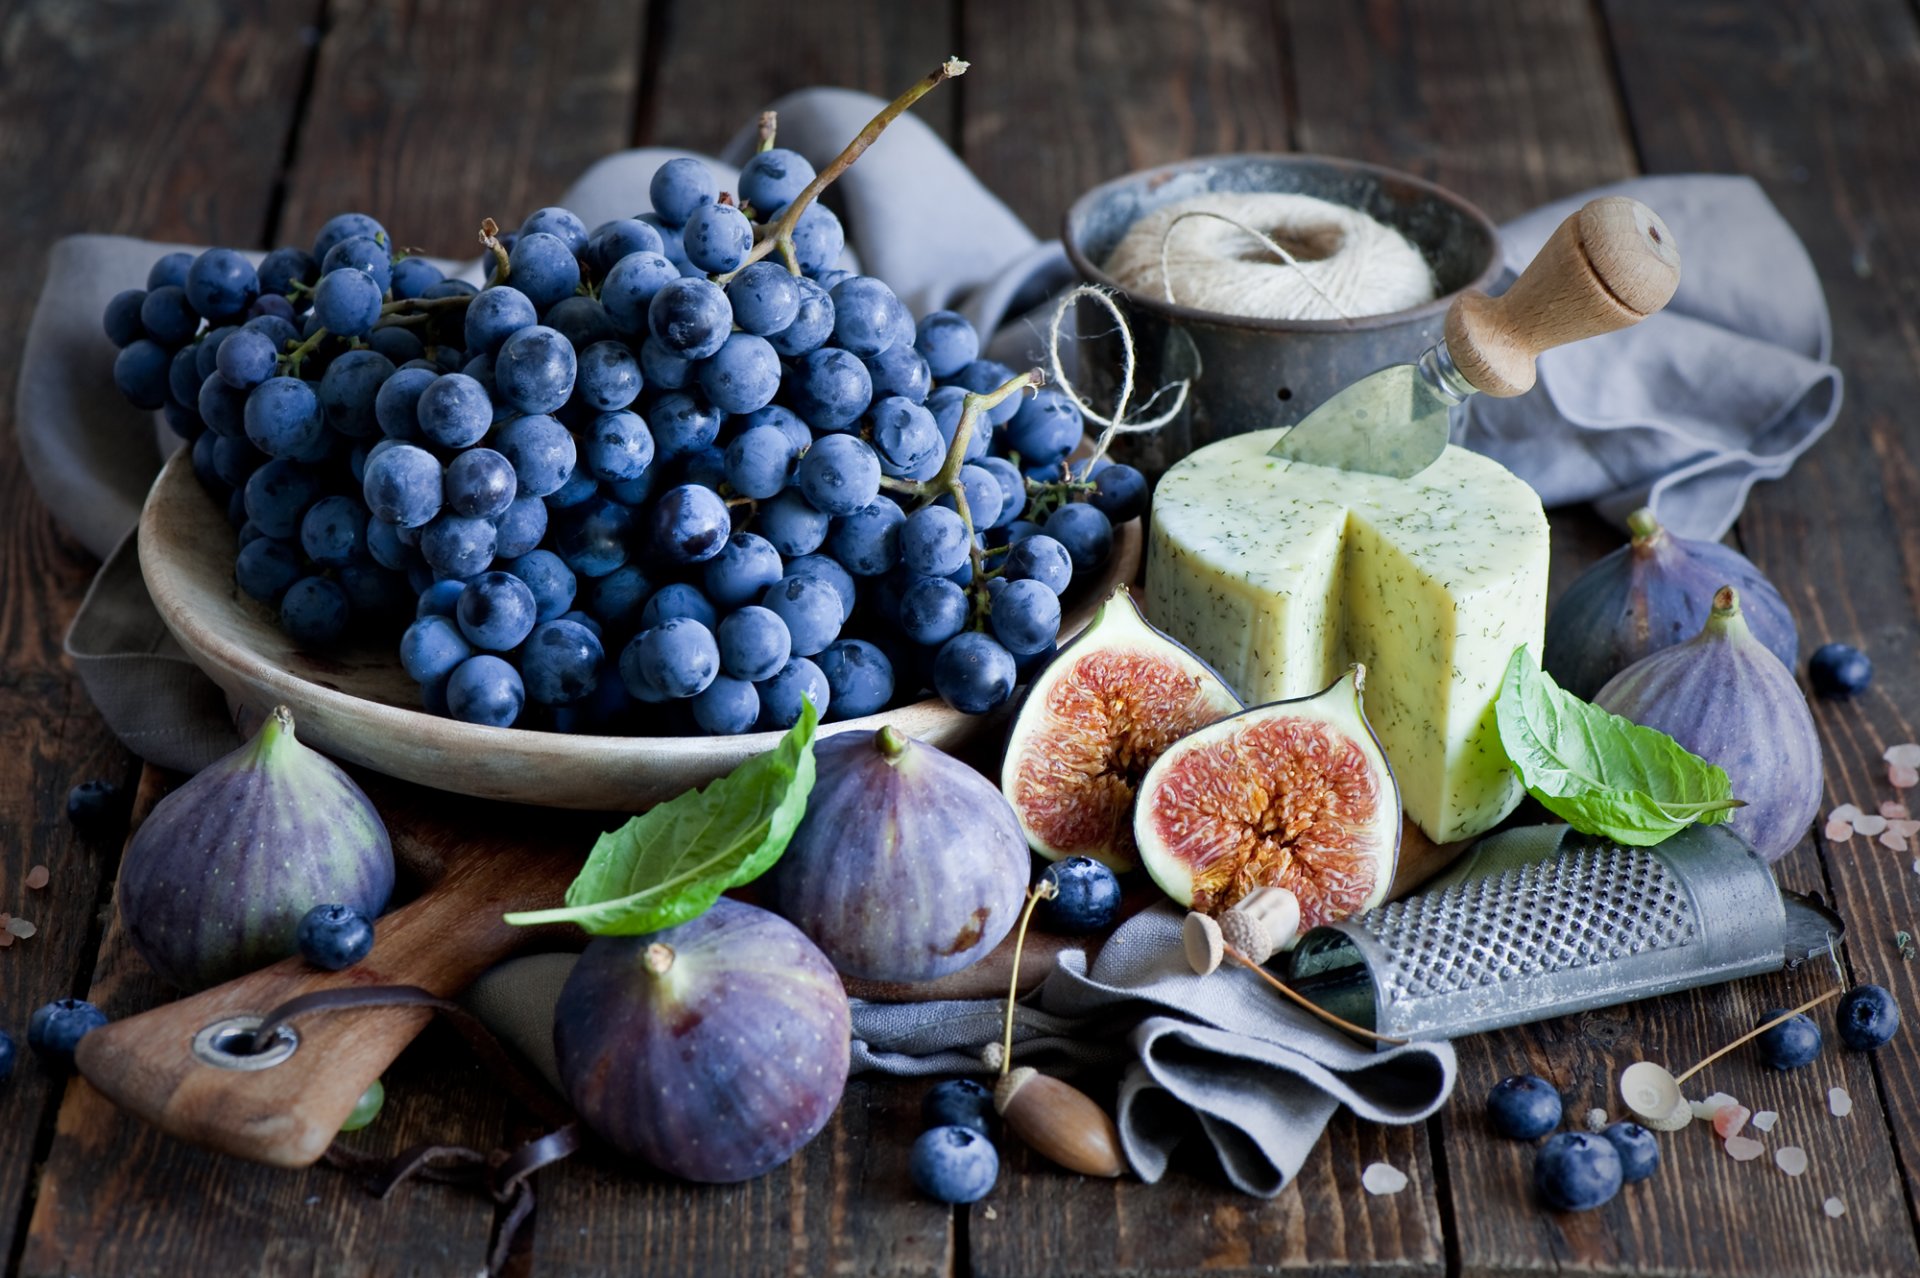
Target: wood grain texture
(1822, 108)
(720, 64)
(124, 118)
(434, 114)
(1063, 96)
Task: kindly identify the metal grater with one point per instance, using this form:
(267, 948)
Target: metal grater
(1505, 939)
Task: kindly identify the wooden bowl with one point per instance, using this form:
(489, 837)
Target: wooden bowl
(359, 706)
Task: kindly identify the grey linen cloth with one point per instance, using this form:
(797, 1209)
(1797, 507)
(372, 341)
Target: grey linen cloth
(1218, 1061)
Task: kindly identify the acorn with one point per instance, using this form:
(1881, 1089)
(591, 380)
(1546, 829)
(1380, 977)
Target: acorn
(1059, 1122)
(1262, 922)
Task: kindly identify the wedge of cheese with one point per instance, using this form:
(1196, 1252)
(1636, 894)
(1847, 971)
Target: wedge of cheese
(1281, 574)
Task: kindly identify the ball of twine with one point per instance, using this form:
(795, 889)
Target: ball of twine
(1265, 255)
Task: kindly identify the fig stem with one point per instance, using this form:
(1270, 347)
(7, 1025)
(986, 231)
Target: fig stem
(1305, 1003)
(277, 728)
(890, 741)
(658, 958)
(1758, 1030)
(1726, 602)
(1044, 890)
(1643, 525)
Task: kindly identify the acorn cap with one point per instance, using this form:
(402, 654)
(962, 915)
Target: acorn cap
(1201, 937)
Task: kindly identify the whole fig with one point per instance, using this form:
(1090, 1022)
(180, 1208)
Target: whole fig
(216, 880)
(1651, 594)
(713, 1050)
(1728, 699)
(908, 866)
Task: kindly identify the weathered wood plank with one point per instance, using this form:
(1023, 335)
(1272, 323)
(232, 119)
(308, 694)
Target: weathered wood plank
(151, 121)
(434, 114)
(1064, 96)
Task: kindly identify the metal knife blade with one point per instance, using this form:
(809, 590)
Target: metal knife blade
(1393, 422)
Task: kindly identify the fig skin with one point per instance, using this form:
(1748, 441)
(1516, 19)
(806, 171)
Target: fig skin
(1074, 797)
(713, 1050)
(1728, 699)
(216, 880)
(908, 866)
(1652, 593)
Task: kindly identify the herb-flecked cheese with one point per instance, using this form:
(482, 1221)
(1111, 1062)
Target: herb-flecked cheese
(1282, 573)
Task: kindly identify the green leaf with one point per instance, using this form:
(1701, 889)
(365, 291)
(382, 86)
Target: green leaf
(673, 862)
(1598, 772)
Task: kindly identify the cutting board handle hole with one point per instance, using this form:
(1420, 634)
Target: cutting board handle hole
(229, 1043)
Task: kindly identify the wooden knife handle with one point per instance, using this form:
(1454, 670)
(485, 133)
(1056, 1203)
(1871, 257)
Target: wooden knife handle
(1611, 264)
(288, 1113)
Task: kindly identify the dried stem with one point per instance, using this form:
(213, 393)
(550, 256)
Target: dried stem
(1758, 1030)
(490, 238)
(1044, 890)
(1260, 971)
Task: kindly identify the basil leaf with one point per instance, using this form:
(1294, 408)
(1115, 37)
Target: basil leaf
(1598, 772)
(671, 863)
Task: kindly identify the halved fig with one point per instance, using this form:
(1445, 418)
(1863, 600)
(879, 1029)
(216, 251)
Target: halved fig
(1094, 720)
(1295, 794)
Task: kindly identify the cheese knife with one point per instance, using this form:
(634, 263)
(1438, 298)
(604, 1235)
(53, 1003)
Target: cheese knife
(1612, 263)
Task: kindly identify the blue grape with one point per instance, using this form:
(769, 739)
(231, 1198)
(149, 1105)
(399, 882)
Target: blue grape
(839, 474)
(183, 377)
(561, 662)
(616, 599)
(754, 643)
(609, 377)
(496, 314)
(691, 317)
(544, 268)
(947, 404)
(619, 447)
(1043, 559)
(859, 678)
(689, 524)
(1045, 428)
(811, 609)
(456, 546)
(384, 544)
(792, 524)
(480, 369)
(281, 269)
(592, 537)
(244, 360)
(906, 438)
(1025, 616)
(867, 542)
(782, 696)
(347, 303)
(717, 238)
(811, 325)
(413, 276)
(582, 320)
(900, 370)
(454, 411)
(485, 690)
(818, 238)
(680, 186)
(1119, 493)
(441, 598)
(234, 460)
(727, 707)
(765, 298)
(743, 569)
(313, 612)
(140, 373)
(542, 453)
(522, 528)
(534, 370)
(283, 419)
(743, 375)
(451, 288)
(265, 568)
(973, 673)
(345, 226)
(396, 406)
(403, 485)
(984, 375)
(221, 284)
(933, 542)
(831, 388)
(759, 462)
(932, 611)
(481, 483)
(786, 421)
(432, 646)
(1085, 532)
(770, 179)
(171, 268)
(622, 237)
(334, 531)
(348, 390)
(829, 570)
(168, 316)
(1013, 493)
(360, 253)
(948, 342)
(397, 344)
(670, 245)
(679, 599)
(575, 489)
(682, 424)
(278, 496)
(983, 493)
(863, 315)
(563, 224)
(183, 420)
(662, 369)
(278, 329)
(123, 326)
(628, 291)
(496, 611)
(677, 658)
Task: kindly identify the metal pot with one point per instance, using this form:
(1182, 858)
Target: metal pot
(1252, 373)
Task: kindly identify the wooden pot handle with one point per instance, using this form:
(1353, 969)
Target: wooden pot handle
(288, 1113)
(1609, 265)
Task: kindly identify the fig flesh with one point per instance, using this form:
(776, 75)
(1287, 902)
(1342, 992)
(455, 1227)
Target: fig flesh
(216, 880)
(1653, 593)
(1092, 724)
(908, 865)
(1727, 698)
(1294, 794)
(713, 1050)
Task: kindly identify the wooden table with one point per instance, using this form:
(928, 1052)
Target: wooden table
(248, 122)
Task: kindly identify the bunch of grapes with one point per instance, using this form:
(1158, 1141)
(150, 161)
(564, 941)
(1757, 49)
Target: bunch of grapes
(671, 474)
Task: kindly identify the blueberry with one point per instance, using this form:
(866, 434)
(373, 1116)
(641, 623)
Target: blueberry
(1087, 897)
(57, 1029)
(7, 1054)
(1577, 1171)
(1790, 1044)
(91, 805)
(959, 1102)
(1639, 1151)
(1523, 1107)
(1839, 670)
(335, 937)
(1867, 1017)
(953, 1165)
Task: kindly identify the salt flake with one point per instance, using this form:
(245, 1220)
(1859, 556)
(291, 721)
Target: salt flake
(1730, 1120)
(1710, 1108)
(1791, 1159)
(1894, 811)
(1834, 1208)
(1869, 824)
(22, 928)
(37, 877)
(1383, 1178)
(1744, 1149)
(1901, 777)
(1765, 1119)
(1905, 827)
(1596, 1120)
(1839, 1104)
(1894, 841)
(1905, 755)
(1845, 812)
(6, 938)
(1838, 831)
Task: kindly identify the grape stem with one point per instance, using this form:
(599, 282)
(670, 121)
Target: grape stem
(769, 127)
(490, 238)
(780, 234)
